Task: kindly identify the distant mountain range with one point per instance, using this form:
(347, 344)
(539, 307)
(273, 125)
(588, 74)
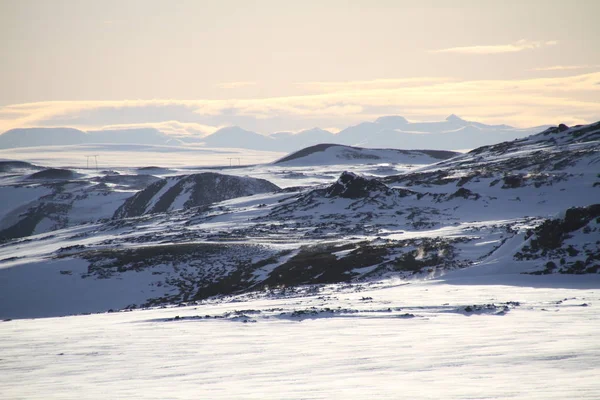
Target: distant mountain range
(453, 133)
(32, 137)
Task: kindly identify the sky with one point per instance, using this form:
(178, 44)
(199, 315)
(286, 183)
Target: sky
(191, 67)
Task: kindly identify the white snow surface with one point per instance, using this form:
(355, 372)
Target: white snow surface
(425, 347)
(136, 155)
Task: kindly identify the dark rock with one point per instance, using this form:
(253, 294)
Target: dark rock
(352, 186)
(465, 194)
(512, 181)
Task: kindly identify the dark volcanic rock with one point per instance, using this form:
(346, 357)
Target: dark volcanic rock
(547, 242)
(352, 186)
(551, 233)
(464, 194)
(512, 181)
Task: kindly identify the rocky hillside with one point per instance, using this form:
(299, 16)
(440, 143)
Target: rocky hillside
(568, 245)
(527, 206)
(55, 198)
(43, 200)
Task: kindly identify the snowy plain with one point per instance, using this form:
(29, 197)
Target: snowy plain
(391, 340)
(136, 155)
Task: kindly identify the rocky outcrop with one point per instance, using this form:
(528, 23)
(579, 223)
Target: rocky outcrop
(352, 186)
(557, 242)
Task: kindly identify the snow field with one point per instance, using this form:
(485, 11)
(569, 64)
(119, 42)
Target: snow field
(540, 349)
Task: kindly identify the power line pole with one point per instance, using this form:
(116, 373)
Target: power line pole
(95, 160)
(234, 158)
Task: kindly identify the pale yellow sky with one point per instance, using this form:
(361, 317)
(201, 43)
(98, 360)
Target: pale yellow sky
(288, 65)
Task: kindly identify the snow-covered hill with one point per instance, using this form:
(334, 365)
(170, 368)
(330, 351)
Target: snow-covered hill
(54, 198)
(183, 192)
(523, 207)
(328, 154)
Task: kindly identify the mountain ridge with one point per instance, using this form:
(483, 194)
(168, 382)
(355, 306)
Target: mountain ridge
(392, 131)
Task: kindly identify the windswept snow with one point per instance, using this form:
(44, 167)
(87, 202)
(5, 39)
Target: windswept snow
(389, 341)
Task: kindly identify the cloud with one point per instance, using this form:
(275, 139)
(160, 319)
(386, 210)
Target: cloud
(235, 85)
(564, 67)
(520, 45)
(523, 102)
(174, 128)
(371, 84)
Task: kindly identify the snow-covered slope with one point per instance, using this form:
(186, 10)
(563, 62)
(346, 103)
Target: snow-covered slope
(44, 200)
(330, 154)
(12, 166)
(182, 192)
(489, 212)
(55, 198)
